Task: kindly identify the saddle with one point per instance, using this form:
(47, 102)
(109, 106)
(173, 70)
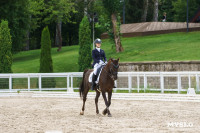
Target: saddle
(98, 74)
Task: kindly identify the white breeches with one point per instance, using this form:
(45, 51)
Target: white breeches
(96, 66)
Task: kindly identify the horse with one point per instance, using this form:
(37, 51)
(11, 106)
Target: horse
(106, 84)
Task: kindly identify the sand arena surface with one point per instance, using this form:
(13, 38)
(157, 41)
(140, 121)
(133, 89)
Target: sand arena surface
(38, 115)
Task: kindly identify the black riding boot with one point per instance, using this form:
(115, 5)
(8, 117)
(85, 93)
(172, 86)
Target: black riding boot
(94, 78)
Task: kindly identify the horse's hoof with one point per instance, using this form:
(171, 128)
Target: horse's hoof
(81, 113)
(109, 115)
(104, 112)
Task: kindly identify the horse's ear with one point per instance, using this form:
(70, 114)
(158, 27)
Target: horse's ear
(118, 59)
(111, 59)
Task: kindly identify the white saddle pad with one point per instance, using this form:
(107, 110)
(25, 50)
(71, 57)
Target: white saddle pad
(90, 77)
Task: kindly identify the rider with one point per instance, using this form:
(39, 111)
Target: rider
(98, 56)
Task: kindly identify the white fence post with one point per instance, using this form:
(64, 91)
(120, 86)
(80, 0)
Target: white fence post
(130, 83)
(162, 83)
(72, 81)
(115, 82)
(197, 82)
(145, 82)
(189, 81)
(29, 83)
(10, 83)
(40, 82)
(138, 83)
(179, 83)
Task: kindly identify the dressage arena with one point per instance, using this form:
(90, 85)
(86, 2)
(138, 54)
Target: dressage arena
(50, 112)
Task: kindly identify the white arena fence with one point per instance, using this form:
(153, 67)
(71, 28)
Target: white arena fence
(129, 81)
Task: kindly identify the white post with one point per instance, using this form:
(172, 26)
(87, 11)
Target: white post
(40, 83)
(115, 89)
(29, 83)
(197, 82)
(138, 83)
(71, 81)
(68, 82)
(179, 83)
(189, 81)
(10, 83)
(145, 82)
(162, 83)
(129, 83)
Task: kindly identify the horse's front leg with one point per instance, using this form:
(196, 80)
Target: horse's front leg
(96, 101)
(107, 105)
(84, 100)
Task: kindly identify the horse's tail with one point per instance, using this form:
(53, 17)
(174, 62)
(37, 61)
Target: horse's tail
(81, 88)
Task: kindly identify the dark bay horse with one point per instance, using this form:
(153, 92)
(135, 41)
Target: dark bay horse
(106, 84)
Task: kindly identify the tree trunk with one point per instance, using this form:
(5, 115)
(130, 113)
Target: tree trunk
(144, 16)
(155, 14)
(27, 40)
(85, 8)
(58, 40)
(116, 33)
(27, 47)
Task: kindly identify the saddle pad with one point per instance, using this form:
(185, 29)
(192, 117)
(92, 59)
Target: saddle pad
(90, 77)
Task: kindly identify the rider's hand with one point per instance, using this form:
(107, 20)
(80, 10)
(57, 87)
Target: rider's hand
(106, 62)
(101, 62)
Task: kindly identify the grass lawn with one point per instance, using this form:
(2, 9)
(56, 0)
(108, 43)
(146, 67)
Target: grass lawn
(166, 47)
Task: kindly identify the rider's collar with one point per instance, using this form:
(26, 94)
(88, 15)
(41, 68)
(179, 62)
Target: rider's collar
(98, 49)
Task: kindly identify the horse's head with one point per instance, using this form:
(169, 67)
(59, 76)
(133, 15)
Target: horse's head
(113, 66)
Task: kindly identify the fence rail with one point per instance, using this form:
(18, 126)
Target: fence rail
(138, 81)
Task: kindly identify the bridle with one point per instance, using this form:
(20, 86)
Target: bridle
(111, 72)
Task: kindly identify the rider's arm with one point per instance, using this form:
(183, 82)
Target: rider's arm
(94, 57)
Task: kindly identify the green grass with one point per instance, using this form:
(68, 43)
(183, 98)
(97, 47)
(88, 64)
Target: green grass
(166, 47)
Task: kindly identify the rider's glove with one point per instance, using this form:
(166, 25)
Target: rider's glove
(106, 62)
(101, 62)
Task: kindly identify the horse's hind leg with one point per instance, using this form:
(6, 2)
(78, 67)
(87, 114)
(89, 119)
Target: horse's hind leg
(96, 101)
(84, 100)
(107, 105)
(105, 111)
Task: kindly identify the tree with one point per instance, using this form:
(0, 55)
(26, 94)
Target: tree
(113, 7)
(180, 7)
(134, 11)
(5, 52)
(5, 48)
(17, 14)
(46, 65)
(85, 58)
(58, 11)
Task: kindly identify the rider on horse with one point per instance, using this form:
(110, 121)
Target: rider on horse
(98, 56)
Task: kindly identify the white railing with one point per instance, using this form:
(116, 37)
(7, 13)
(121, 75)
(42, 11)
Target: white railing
(140, 86)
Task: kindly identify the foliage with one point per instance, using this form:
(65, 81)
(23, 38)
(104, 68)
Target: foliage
(17, 14)
(58, 10)
(180, 9)
(5, 53)
(133, 11)
(5, 48)
(85, 56)
(46, 65)
(45, 57)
